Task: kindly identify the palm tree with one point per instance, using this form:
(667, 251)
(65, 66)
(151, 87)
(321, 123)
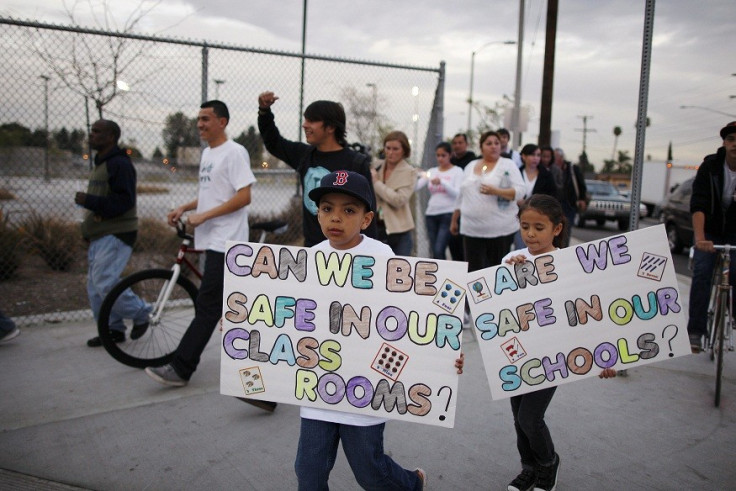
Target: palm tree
(616, 134)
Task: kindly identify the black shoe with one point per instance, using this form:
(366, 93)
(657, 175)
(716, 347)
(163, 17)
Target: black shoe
(696, 343)
(265, 405)
(96, 342)
(524, 481)
(547, 476)
(138, 330)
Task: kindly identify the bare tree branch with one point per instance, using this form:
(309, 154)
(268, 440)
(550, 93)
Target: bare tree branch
(94, 70)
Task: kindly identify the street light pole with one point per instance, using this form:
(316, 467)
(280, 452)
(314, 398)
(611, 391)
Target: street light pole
(709, 109)
(218, 82)
(472, 77)
(46, 79)
(124, 89)
(374, 114)
(415, 118)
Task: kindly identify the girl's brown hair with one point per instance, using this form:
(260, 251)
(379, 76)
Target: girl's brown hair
(550, 207)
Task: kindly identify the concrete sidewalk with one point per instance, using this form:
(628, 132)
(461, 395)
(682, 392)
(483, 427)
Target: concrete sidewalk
(72, 418)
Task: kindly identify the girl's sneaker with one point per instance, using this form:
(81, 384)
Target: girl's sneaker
(524, 481)
(422, 476)
(6, 336)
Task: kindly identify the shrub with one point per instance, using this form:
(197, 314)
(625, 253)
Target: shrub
(154, 235)
(151, 189)
(6, 195)
(292, 215)
(12, 242)
(56, 240)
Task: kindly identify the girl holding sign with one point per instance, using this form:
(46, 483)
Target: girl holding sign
(543, 224)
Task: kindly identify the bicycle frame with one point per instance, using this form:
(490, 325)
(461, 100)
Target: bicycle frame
(724, 299)
(163, 296)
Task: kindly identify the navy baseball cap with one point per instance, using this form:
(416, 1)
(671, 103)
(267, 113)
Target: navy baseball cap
(728, 129)
(345, 182)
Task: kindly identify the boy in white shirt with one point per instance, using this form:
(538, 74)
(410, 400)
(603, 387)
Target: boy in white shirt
(220, 214)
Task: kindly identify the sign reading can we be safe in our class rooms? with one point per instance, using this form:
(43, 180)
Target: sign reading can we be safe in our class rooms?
(354, 333)
(567, 315)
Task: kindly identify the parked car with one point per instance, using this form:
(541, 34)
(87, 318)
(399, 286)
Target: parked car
(607, 204)
(675, 215)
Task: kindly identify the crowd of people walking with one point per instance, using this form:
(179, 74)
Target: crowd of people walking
(501, 205)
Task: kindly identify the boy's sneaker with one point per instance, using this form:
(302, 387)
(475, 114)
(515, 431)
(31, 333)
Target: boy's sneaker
(265, 405)
(422, 476)
(6, 336)
(524, 481)
(547, 476)
(166, 375)
(138, 330)
(96, 342)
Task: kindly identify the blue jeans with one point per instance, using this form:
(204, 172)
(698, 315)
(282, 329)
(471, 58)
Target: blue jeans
(703, 264)
(532, 435)
(438, 233)
(401, 243)
(6, 323)
(569, 211)
(363, 447)
(107, 257)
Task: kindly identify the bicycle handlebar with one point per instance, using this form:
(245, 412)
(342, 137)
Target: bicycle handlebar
(724, 247)
(181, 230)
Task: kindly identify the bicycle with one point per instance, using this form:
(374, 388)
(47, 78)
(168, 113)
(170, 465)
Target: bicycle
(172, 298)
(720, 321)
(720, 314)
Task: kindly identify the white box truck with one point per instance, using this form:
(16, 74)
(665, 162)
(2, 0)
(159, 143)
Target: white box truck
(659, 179)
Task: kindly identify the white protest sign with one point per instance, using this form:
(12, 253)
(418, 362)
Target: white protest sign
(362, 334)
(567, 315)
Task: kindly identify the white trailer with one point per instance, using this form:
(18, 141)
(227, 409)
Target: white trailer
(659, 179)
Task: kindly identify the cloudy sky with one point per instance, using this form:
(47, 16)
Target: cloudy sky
(598, 59)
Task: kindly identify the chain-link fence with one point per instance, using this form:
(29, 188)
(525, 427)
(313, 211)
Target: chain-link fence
(60, 79)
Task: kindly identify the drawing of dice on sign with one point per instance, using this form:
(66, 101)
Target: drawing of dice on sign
(513, 350)
(652, 266)
(389, 361)
(449, 296)
(252, 380)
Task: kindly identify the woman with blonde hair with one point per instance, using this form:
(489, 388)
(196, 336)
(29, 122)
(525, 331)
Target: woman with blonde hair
(393, 182)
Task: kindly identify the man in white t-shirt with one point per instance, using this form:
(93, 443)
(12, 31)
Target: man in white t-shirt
(220, 214)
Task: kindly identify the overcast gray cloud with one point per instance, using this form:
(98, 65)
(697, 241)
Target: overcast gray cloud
(597, 61)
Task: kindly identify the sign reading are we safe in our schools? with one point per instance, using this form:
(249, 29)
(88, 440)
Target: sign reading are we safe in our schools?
(362, 334)
(567, 315)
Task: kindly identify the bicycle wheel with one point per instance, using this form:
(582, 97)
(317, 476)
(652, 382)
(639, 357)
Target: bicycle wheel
(719, 345)
(156, 346)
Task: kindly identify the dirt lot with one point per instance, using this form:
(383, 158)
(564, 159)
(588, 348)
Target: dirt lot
(36, 289)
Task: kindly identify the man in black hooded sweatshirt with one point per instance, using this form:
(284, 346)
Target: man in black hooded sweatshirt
(111, 226)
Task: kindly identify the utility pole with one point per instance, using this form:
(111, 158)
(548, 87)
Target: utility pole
(515, 114)
(585, 130)
(548, 76)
